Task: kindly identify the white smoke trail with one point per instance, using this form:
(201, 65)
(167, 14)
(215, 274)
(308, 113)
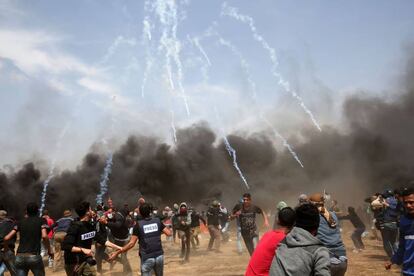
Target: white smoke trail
(146, 38)
(243, 63)
(103, 184)
(167, 13)
(173, 128)
(113, 47)
(207, 64)
(52, 167)
(233, 154)
(231, 151)
(233, 12)
(245, 66)
(104, 179)
(285, 143)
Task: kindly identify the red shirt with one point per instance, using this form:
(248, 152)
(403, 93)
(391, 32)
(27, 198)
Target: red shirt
(50, 222)
(264, 252)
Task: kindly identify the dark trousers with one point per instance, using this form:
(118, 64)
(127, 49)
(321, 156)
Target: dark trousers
(339, 269)
(248, 241)
(356, 238)
(214, 237)
(174, 233)
(389, 234)
(33, 263)
(69, 269)
(185, 236)
(8, 259)
(99, 256)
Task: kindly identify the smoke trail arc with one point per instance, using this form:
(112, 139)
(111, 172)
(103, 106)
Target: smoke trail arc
(233, 154)
(233, 13)
(231, 151)
(167, 13)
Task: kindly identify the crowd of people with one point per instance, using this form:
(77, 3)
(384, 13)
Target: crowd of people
(305, 239)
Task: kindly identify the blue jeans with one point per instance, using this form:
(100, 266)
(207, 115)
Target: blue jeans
(239, 240)
(156, 264)
(33, 263)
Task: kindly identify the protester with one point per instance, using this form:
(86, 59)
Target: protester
(376, 207)
(195, 227)
(148, 232)
(102, 231)
(32, 230)
(265, 251)
(225, 223)
(359, 228)
(330, 236)
(301, 253)
(279, 206)
(60, 228)
(404, 255)
(167, 221)
(303, 198)
(50, 233)
(7, 257)
(77, 243)
(389, 228)
(246, 212)
(176, 210)
(119, 234)
(214, 227)
(183, 226)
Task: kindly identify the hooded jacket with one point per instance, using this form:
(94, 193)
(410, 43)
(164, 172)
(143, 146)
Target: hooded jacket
(300, 254)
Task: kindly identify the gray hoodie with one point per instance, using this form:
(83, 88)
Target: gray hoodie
(300, 254)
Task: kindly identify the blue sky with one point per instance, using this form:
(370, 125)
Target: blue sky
(81, 64)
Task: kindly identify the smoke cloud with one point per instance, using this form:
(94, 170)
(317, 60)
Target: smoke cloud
(374, 152)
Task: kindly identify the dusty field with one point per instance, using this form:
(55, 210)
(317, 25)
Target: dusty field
(370, 262)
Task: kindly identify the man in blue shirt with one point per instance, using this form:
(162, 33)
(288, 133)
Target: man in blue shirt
(405, 253)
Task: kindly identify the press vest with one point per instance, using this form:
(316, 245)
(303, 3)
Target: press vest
(149, 234)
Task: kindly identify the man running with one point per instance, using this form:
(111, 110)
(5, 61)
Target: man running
(246, 212)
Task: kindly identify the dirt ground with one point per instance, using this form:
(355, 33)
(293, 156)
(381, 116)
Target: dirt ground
(369, 262)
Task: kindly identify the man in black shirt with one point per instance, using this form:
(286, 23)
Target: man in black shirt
(148, 231)
(214, 227)
(32, 229)
(246, 212)
(195, 227)
(359, 228)
(119, 235)
(7, 250)
(78, 243)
